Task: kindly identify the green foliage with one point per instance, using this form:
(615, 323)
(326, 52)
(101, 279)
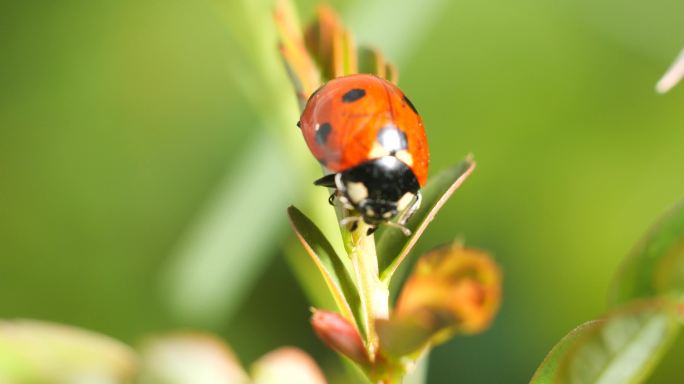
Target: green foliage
(546, 373)
(627, 345)
(622, 348)
(656, 266)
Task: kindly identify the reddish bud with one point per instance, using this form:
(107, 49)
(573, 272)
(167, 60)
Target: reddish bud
(339, 335)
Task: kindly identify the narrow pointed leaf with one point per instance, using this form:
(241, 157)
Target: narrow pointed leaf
(392, 245)
(656, 266)
(623, 348)
(392, 73)
(349, 55)
(331, 45)
(330, 265)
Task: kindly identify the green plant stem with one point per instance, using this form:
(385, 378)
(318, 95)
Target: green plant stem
(374, 294)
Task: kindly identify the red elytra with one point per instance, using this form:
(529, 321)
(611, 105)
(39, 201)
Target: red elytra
(343, 125)
(369, 134)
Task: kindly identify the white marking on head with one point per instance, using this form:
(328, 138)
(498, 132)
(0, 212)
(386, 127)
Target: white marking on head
(370, 212)
(405, 201)
(338, 182)
(378, 151)
(405, 157)
(357, 192)
(390, 138)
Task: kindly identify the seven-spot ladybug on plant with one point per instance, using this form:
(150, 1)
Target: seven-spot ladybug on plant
(369, 135)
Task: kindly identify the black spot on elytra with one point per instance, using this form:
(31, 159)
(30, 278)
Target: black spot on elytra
(410, 104)
(353, 95)
(322, 133)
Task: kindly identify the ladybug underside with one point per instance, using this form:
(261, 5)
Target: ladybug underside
(378, 189)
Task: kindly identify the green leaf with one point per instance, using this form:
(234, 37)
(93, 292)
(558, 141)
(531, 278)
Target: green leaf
(656, 266)
(333, 269)
(548, 368)
(33, 351)
(392, 245)
(623, 348)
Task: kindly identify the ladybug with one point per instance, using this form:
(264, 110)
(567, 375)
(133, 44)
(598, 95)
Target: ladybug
(368, 134)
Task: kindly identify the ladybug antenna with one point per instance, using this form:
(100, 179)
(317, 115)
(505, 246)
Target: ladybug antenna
(404, 230)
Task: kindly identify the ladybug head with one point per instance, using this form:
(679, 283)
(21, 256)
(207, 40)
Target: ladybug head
(378, 189)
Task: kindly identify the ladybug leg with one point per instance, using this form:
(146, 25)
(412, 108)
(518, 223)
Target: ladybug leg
(406, 215)
(404, 230)
(345, 202)
(331, 199)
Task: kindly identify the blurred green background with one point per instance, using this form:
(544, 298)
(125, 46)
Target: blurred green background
(148, 152)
